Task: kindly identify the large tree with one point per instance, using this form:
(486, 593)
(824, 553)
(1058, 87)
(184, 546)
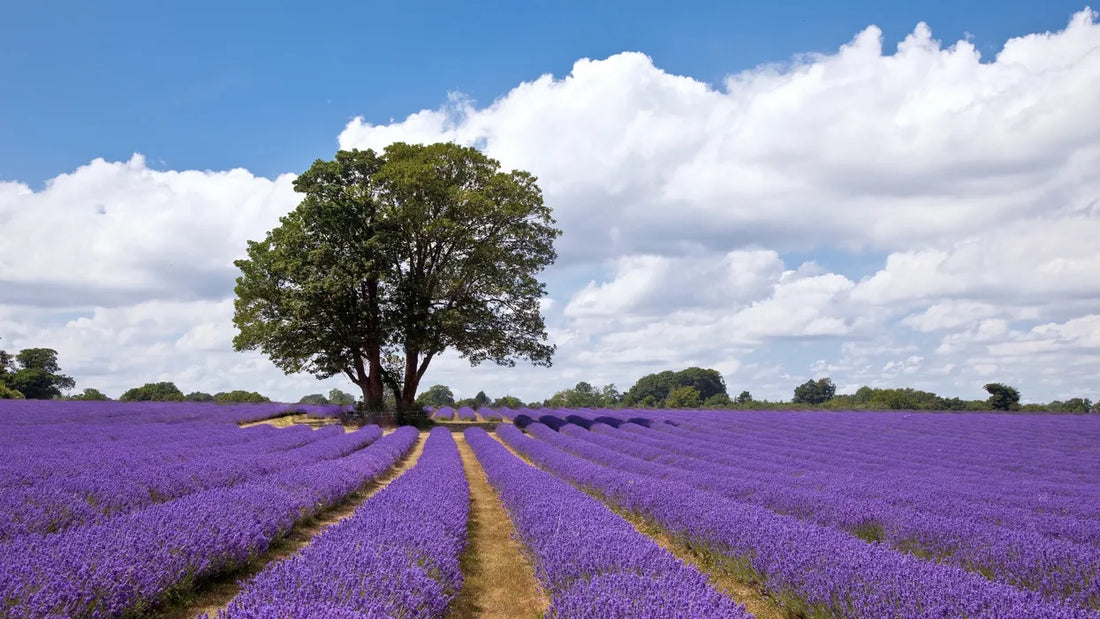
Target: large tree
(38, 376)
(392, 258)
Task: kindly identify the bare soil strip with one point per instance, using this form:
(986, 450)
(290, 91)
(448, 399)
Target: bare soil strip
(757, 602)
(282, 421)
(215, 594)
(499, 582)
(293, 419)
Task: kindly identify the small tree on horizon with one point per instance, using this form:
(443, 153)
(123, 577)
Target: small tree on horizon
(341, 398)
(436, 396)
(1002, 397)
(165, 391)
(814, 391)
(91, 395)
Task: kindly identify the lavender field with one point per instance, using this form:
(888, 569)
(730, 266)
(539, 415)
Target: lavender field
(133, 509)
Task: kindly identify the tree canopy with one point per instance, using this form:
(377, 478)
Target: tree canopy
(91, 394)
(340, 398)
(1002, 397)
(683, 397)
(36, 374)
(436, 396)
(392, 258)
(507, 401)
(239, 395)
(154, 392)
(7, 393)
(654, 389)
(814, 391)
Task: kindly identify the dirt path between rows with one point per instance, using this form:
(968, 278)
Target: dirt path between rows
(755, 601)
(216, 594)
(499, 582)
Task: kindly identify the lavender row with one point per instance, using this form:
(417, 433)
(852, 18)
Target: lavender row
(488, 414)
(33, 413)
(466, 413)
(130, 563)
(1058, 513)
(1055, 568)
(589, 560)
(1002, 461)
(396, 556)
(445, 413)
(810, 569)
(920, 467)
(94, 495)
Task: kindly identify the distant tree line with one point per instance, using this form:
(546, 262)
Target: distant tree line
(335, 396)
(34, 373)
(696, 387)
(169, 392)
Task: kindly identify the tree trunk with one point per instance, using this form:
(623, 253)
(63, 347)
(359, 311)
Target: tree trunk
(373, 393)
(369, 382)
(412, 380)
(414, 371)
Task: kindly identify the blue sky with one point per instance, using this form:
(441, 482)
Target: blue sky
(267, 86)
(777, 190)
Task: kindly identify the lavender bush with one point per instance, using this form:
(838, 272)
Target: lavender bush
(812, 569)
(396, 556)
(589, 560)
(129, 563)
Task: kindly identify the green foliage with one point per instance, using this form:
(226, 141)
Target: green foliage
(335, 396)
(814, 391)
(1002, 397)
(409, 253)
(707, 382)
(239, 395)
(313, 398)
(154, 392)
(1072, 405)
(37, 375)
(7, 393)
(436, 396)
(651, 389)
(654, 389)
(91, 394)
(481, 400)
(684, 397)
(744, 397)
(199, 396)
(718, 400)
(904, 398)
(6, 366)
(585, 395)
(508, 401)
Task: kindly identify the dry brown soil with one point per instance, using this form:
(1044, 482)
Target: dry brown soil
(499, 580)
